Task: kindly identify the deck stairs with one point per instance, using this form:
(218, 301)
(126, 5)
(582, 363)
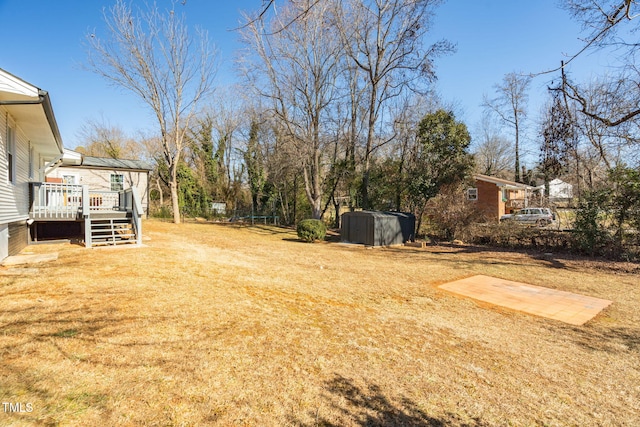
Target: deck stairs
(111, 229)
(109, 218)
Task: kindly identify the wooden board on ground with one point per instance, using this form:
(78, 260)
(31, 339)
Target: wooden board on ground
(550, 303)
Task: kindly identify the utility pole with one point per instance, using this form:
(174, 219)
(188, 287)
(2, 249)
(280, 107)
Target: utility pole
(574, 143)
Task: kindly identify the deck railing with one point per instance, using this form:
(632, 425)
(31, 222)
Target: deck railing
(132, 202)
(104, 200)
(53, 200)
(65, 201)
(516, 203)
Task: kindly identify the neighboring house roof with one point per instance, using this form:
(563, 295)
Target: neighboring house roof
(31, 108)
(75, 159)
(106, 163)
(509, 185)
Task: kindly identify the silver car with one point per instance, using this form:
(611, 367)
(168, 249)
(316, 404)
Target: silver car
(531, 216)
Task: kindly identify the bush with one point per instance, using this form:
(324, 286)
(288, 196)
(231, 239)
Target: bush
(450, 216)
(591, 236)
(162, 212)
(310, 230)
(512, 235)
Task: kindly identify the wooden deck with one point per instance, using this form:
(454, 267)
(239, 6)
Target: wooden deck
(109, 217)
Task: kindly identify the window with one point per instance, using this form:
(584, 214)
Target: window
(117, 182)
(472, 194)
(11, 155)
(69, 179)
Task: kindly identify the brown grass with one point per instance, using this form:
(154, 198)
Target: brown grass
(228, 325)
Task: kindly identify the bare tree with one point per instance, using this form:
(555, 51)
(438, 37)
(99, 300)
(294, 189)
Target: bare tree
(151, 54)
(559, 140)
(101, 139)
(271, 4)
(609, 24)
(494, 155)
(299, 58)
(386, 39)
(510, 105)
(227, 116)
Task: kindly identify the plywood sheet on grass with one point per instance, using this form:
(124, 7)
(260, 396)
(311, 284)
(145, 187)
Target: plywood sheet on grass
(559, 305)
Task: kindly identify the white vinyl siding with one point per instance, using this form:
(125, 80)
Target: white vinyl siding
(4, 241)
(11, 153)
(14, 195)
(32, 163)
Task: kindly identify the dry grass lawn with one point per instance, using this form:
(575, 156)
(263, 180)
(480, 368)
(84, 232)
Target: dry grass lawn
(228, 325)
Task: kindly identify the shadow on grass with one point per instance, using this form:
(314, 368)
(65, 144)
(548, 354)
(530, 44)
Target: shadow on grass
(265, 229)
(494, 255)
(368, 406)
(614, 340)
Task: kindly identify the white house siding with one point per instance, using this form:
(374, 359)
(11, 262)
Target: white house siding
(4, 241)
(14, 197)
(100, 179)
(559, 189)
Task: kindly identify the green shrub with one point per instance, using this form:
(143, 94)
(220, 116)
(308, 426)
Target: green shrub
(310, 230)
(590, 234)
(162, 212)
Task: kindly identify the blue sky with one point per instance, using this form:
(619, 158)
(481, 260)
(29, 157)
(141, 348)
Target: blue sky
(43, 44)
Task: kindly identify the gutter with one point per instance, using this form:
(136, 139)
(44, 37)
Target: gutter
(45, 101)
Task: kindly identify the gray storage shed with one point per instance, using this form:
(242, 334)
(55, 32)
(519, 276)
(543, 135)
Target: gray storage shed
(373, 228)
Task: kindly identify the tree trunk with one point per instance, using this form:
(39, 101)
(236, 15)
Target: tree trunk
(517, 165)
(173, 186)
(368, 148)
(160, 191)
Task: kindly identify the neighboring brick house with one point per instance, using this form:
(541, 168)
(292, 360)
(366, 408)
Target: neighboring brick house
(496, 197)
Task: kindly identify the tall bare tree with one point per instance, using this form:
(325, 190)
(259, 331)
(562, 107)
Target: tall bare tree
(101, 139)
(609, 24)
(386, 39)
(299, 58)
(510, 105)
(151, 54)
(493, 155)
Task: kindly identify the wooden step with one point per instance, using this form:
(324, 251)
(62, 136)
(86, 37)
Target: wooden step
(112, 231)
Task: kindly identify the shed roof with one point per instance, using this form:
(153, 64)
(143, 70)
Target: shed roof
(380, 214)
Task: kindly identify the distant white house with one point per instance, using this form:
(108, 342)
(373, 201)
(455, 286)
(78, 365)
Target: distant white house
(558, 190)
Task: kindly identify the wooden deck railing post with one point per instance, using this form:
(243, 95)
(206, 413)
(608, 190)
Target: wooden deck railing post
(86, 216)
(136, 212)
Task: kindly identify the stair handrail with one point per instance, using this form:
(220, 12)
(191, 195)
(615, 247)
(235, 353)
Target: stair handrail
(136, 214)
(86, 215)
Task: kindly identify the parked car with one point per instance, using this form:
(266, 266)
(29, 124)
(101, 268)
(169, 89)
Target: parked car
(531, 216)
